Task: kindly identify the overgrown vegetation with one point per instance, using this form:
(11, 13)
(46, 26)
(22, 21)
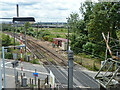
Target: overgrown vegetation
(35, 61)
(45, 33)
(87, 32)
(7, 41)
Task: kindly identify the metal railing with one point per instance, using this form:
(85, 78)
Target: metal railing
(110, 76)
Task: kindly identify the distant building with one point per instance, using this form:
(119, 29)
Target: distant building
(60, 42)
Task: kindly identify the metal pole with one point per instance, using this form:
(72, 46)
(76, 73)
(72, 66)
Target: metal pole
(4, 67)
(35, 78)
(15, 74)
(68, 34)
(70, 73)
(17, 11)
(68, 47)
(25, 42)
(30, 82)
(41, 31)
(37, 30)
(17, 77)
(14, 37)
(38, 84)
(0, 75)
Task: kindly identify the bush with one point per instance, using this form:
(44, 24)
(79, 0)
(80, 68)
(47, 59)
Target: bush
(35, 61)
(89, 47)
(9, 55)
(58, 36)
(77, 41)
(6, 40)
(45, 38)
(93, 49)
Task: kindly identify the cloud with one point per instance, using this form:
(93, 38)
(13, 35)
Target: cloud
(42, 10)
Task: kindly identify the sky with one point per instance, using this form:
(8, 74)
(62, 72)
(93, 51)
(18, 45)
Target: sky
(42, 10)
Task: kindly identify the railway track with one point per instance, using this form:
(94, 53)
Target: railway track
(38, 51)
(57, 60)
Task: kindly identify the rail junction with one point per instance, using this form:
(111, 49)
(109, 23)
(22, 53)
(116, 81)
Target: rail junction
(58, 66)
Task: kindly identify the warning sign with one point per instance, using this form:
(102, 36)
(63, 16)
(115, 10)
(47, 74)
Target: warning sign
(35, 74)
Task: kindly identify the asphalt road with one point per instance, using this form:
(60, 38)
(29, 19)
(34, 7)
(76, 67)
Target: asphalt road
(82, 78)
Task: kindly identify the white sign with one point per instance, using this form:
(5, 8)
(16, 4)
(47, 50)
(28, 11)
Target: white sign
(52, 79)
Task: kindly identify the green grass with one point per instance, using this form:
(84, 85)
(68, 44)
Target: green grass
(35, 61)
(87, 61)
(51, 33)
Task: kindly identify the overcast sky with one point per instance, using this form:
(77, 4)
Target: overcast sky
(42, 10)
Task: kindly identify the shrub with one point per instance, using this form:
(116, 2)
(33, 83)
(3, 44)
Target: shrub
(6, 40)
(77, 41)
(35, 61)
(57, 35)
(9, 55)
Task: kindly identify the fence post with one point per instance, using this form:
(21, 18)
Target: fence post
(32, 84)
(38, 84)
(35, 78)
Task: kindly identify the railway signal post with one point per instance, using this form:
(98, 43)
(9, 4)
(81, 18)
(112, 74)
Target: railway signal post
(70, 60)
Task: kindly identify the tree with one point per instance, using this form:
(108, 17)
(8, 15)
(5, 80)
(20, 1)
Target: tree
(78, 33)
(103, 19)
(6, 41)
(27, 25)
(97, 18)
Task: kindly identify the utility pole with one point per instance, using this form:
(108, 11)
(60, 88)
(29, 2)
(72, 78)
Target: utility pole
(25, 42)
(14, 36)
(41, 30)
(37, 30)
